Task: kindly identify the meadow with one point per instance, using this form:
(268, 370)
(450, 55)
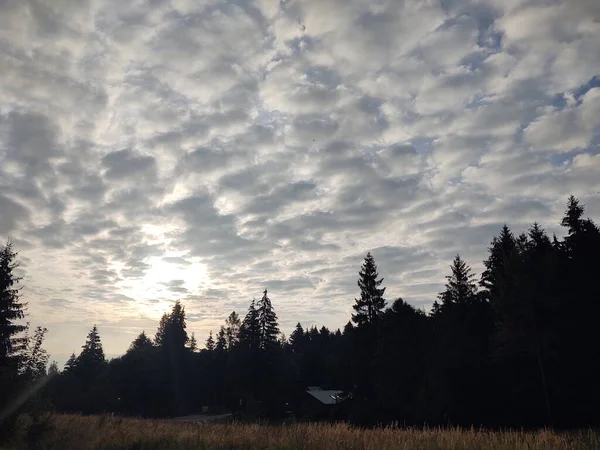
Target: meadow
(67, 432)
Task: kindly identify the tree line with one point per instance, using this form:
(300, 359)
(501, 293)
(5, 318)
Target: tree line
(517, 346)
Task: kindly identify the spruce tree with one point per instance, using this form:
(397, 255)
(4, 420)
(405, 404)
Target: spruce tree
(71, 363)
(501, 252)
(92, 354)
(193, 343)
(369, 307)
(297, 339)
(11, 309)
(172, 334)
(267, 322)
(221, 342)
(141, 342)
(250, 330)
(460, 287)
(210, 342)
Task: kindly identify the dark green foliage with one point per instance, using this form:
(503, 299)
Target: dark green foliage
(369, 307)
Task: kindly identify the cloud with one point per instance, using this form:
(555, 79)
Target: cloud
(206, 150)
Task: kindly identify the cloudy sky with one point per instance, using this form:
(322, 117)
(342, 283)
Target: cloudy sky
(203, 150)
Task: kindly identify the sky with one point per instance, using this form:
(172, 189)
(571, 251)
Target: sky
(206, 150)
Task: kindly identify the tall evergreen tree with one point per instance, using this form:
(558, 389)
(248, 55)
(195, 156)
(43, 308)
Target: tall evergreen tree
(11, 309)
(193, 344)
(460, 287)
(501, 252)
(92, 353)
(141, 342)
(172, 334)
(297, 339)
(267, 322)
(210, 343)
(250, 329)
(71, 363)
(221, 341)
(369, 307)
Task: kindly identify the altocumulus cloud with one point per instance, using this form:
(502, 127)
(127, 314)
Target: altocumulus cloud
(203, 150)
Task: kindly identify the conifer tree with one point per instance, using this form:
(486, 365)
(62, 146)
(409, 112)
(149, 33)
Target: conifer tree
(369, 307)
(460, 287)
(193, 344)
(249, 330)
(92, 353)
(172, 334)
(71, 363)
(11, 309)
(141, 342)
(210, 342)
(297, 339)
(267, 321)
(221, 342)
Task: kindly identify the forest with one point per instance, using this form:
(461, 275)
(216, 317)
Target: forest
(516, 346)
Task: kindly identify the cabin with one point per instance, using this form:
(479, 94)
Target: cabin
(321, 404)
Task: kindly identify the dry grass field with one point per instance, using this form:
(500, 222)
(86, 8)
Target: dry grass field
(63, 432)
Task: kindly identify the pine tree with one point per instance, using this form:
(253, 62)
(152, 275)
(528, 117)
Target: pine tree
(193, 344)
(297, 339)
(210, 343)
(573, 216)
(267, 321)
(460, 288)
(369, 307)
(71, 363)
(171, 334)
(221, 343)
(159, 338)
(92, 353)
(232, 329)
(11, 309)
(249, 330)
(141, 342)
(501, 252)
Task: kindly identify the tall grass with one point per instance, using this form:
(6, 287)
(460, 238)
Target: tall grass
(67, 432)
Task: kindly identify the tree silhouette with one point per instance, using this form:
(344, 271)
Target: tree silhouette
(11, 309)
(210, 342)
(221, 341)
(369, 307)
(140, 343)
(267, 322)
(250, 329)
(232, 329)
